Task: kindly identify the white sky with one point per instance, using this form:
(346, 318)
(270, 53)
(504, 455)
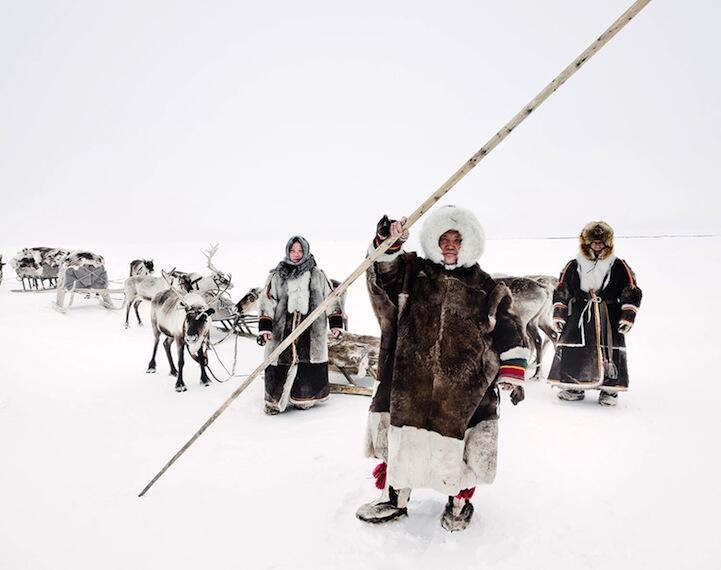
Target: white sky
(216, 120)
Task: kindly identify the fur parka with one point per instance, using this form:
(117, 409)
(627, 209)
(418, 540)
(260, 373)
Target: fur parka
(444, 331)
(281, 298)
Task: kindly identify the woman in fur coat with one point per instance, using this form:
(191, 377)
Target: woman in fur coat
(293, 290)
(449, 335)
(595, 305)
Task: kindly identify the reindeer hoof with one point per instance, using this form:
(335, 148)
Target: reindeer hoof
(126, 326)
(150, 371)
(174, 373)
(181, 388)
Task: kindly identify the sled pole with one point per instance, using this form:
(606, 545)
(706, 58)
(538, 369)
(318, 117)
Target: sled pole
(494, 141)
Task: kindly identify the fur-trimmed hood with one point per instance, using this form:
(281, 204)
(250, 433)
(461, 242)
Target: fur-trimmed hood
(593, 231)
(464, 222)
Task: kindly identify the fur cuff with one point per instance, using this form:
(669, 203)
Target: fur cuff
(335, 321)
(628, 316)
(265, 324)
(516, 352)
(560, 311)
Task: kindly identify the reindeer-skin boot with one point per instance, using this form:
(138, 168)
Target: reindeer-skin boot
(457, 514)
(571, 395)
(391, 505)
(607, 398)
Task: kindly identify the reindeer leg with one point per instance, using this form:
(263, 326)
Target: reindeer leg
(538, 347)
(151, 364)
(137, 314)
(203, 359)
(166, 344)
(127, 312)
(180, 385)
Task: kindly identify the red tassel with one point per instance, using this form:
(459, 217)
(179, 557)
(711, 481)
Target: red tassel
(380, 474)
(466, 494)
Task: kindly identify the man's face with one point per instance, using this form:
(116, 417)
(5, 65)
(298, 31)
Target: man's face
(450, 244)
(296, 252)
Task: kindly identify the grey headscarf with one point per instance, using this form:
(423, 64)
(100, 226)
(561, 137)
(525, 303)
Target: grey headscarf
(288, 269)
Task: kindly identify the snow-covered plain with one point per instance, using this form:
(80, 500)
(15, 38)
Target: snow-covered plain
(83, 428)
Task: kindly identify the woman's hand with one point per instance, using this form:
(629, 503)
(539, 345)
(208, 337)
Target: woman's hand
(263, 337)
(336, 333)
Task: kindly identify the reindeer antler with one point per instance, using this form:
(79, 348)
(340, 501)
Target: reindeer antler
(212, 250)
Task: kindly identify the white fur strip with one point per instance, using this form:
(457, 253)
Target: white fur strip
(586, 386)
(299, 293)
(481, 452)
(385, 256)
(594, 274)
(515, 352)
(629, 307)
(376, 442)
(419, 458)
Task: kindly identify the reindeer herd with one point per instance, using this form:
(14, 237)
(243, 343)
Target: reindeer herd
(183, 305)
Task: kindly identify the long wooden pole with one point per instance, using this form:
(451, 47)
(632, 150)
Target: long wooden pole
(560, 79)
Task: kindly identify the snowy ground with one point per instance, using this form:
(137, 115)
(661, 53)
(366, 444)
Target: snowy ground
(83, 428)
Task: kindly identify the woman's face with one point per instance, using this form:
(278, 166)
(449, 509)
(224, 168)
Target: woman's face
(296, 252)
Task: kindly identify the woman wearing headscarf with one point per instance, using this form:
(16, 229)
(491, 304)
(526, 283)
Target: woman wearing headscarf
(293, 290)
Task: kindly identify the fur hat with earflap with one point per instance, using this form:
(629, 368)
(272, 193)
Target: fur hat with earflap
(465, 223)
(596, 231)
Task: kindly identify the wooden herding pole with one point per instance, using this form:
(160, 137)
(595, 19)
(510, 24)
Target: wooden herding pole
(560, 79)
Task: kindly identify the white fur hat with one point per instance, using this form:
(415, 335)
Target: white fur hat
(453, 218)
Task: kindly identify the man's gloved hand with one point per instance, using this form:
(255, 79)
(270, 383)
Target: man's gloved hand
(558, 325)
(387, 227)
(383, 227)
(624, 327)
(517, 395)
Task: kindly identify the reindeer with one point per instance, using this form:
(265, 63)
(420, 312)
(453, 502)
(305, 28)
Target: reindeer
(141, 267)
(185, 319)
(139, 288)
(216, 281)
(533, 302)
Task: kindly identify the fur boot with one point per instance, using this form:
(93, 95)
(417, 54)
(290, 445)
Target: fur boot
(607, 398)
(391, 505)
(457, 514)
(571, 395)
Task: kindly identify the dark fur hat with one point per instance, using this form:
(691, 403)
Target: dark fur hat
(594, 231)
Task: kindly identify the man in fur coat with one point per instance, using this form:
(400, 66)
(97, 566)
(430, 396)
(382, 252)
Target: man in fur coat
(595, 305)
(448, 336)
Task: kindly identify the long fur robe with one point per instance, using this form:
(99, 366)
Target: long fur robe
(444, 331)
(591, 352)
